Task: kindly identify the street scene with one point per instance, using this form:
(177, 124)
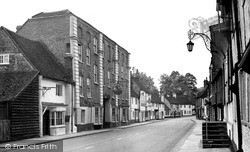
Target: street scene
(132, 76)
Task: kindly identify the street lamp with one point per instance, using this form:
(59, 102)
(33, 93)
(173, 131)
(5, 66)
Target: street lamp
(191, 36)
(207, 41)
(190, 46)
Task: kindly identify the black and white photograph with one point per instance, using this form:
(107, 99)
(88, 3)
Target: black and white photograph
(125, 76)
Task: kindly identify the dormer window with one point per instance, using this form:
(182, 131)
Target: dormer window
(4, 59)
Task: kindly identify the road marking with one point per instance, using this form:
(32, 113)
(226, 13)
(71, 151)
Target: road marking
(89, 147)
(119, 138)
(137, 133)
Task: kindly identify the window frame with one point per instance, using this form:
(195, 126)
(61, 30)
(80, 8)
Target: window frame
(59, 90)
(5, 59)
(88, 60)
(89, 94)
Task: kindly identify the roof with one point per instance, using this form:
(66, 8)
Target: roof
(155, 98)
(183, 100)
(141, 86)
(39, 56)
(12, 83)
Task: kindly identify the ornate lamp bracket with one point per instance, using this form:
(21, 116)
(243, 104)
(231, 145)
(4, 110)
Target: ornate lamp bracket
(206, 39)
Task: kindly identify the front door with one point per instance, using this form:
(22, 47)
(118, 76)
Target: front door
(46, 124)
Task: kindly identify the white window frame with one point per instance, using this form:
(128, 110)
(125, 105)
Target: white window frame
(4, 59)
(88, 56)
(97, 114)
(59, 90)
(89, 88)
(53, 117)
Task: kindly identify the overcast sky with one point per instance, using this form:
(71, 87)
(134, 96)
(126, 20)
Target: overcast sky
(153, 31)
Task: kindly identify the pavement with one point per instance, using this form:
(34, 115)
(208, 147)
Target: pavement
(190, 143)
(193, 141)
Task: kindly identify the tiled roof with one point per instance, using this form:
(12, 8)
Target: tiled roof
(141, 86)
(183, 100)
(40, 57)
(12, 83)
(50, 14)
(155, 98)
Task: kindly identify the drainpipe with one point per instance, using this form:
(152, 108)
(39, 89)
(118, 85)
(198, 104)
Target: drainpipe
(237, 93)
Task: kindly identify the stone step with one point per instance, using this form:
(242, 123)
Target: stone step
(215, 145)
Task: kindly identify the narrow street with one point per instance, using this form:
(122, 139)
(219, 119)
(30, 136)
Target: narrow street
(155, 137)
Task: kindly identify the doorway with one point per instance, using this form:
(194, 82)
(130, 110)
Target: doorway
(46, 124)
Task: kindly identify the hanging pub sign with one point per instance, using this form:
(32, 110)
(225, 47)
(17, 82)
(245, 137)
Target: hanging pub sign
(117, 89)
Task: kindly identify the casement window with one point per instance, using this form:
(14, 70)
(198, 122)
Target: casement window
(59, 90)
(88, 87)
(88, 56)
(81, 85)
(4, 59)
(95, 45)
(80, 54)
(96, 114)
(57, 118)
(95, 74)
(82, 116)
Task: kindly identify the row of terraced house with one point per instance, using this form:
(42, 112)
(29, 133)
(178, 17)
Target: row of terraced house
(59, 75)
(226, 94)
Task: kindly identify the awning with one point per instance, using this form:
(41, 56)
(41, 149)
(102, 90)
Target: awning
(245, 61)
(50, 104)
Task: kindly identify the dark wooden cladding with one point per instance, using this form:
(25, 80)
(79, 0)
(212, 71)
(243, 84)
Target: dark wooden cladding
(25, 113)
(4, 130)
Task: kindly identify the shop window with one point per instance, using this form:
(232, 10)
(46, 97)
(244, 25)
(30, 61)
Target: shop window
(57, 118)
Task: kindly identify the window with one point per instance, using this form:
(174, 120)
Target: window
(95, 45)
(81, 85)
(95, 74)
(88, 56)
(88, 87)
(57, 118)
(96, 114)
(80, 52)
(82, 116)
(4, 59)
(113, 114)
(122, 71)
(109, 53)
(124, 114)
(59, 90)
(109, 82)
(79, 32)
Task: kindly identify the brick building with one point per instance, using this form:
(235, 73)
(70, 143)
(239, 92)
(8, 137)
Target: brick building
(85, 53)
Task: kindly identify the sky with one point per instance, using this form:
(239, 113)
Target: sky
(154, 32)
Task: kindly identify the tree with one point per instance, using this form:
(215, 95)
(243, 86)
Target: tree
(177, 83)
(146, 81)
